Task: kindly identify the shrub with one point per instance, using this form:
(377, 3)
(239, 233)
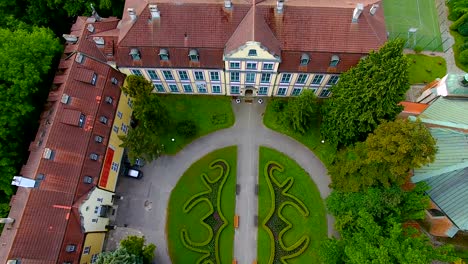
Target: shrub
(418, 49)
(219, 119)
(186, 128)
(459, 21)
(278, 105)
(463, 46)
(464, 57)
(463, 28)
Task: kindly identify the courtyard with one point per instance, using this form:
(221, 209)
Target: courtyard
(145, 204)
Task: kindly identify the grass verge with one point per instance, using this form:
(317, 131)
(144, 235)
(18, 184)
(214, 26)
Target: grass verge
(425, 69)
(312, 139)
(189, 185)
(304, 189)
(210, 113)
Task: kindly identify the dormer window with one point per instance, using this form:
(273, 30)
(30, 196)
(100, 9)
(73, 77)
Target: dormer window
(94, 156)
(252, 52)
(334, 61)
(103, 119)
(98, 40)
(98, 139)
(109, 100)
(88, 179)
(305, 59)
(163, 55)
(193, 55)
(70, 248)
(114, 81)
(82, 120)
(135, 53)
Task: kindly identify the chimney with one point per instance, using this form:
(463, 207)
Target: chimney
(70, 38)
(373, 9)
(132, 14)
(154, 12)
(280, 6)
(227, 3)
(23, 182)
(357, 12)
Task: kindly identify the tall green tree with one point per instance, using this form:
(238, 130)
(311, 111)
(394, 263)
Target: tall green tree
(301, 111)
(132, 250)
(119, 256)
(385, 158)
(366, 94)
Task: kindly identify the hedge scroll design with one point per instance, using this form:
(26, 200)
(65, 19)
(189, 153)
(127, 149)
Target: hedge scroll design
(275, 224)
(214, 220)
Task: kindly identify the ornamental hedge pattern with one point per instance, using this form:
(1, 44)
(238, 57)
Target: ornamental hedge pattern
(275, 223)
(214, 220)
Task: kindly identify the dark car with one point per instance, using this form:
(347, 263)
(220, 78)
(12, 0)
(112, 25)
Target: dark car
(133, 173)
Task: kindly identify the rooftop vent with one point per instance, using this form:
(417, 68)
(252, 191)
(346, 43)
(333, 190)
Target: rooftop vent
(227, 3)
(357, 12)
(280, 6)
(90, 28)
(70, 38)
(99, 40)
(154, 12)
(65, 98)
(131, 13)
(464, 80)
(373, 9)
(79, 58)
(23, 182)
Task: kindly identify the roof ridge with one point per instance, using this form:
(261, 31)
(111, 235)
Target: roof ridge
(426, 176)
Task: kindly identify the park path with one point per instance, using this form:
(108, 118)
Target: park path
(145, 201)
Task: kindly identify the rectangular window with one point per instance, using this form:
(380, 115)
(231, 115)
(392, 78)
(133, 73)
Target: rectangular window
(324, 93)
(136, 72)
(216, 89)
(86, 250)
(94, 79)
(201, 87)
(199, 76)
(285, 78)
(234, 89)
(115, 166)
(263, 90)
(281, 91)
(116, 129)
(267, 66)
(296, 91)
(183, 75)
(94, 258)
(119, 114)
(214, 76)
(333, 80)
(152, 74)
(317, 79)
(168, 75)
(173, 88)
(159, 87)
(124, 128)
(302, 78)
(266, 77)
(130, 102)
(234, 76)
(234, 65)
(187, 88)
(250, 77)
(251, 65)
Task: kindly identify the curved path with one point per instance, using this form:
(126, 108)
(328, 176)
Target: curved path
(248, 133)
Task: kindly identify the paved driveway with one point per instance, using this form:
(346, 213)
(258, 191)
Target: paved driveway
(145, 201)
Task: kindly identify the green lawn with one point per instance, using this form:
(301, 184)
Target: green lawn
(421, 14)
(189, 185)
(314, 225)
(312, 139)
(210, 113)
(425, 69)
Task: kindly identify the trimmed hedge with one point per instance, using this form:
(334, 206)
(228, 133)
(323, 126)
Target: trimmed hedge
(275, 223)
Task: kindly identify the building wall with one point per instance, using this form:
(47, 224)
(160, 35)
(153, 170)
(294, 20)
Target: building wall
(114, 153)
(92, 246)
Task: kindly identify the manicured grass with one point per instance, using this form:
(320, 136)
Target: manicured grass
(312, 139)
(314, 225)
(189, 185)
(421, 14)
(425, 69)
(210, 113)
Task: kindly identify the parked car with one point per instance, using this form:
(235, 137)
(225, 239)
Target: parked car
(133, 173)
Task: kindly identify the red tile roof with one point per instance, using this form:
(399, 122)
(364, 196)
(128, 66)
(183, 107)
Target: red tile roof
(45, 222)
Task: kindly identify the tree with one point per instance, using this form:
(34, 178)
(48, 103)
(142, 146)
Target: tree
(301, 111)
(137, 87)
(385, 158)
(120, 256)
(366, 94)
(135, 245)
(142, 144)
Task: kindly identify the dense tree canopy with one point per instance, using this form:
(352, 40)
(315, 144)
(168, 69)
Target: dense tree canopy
(26, 56)
(366, 94)
(132, 250)
(301, 111)
(385, 157)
